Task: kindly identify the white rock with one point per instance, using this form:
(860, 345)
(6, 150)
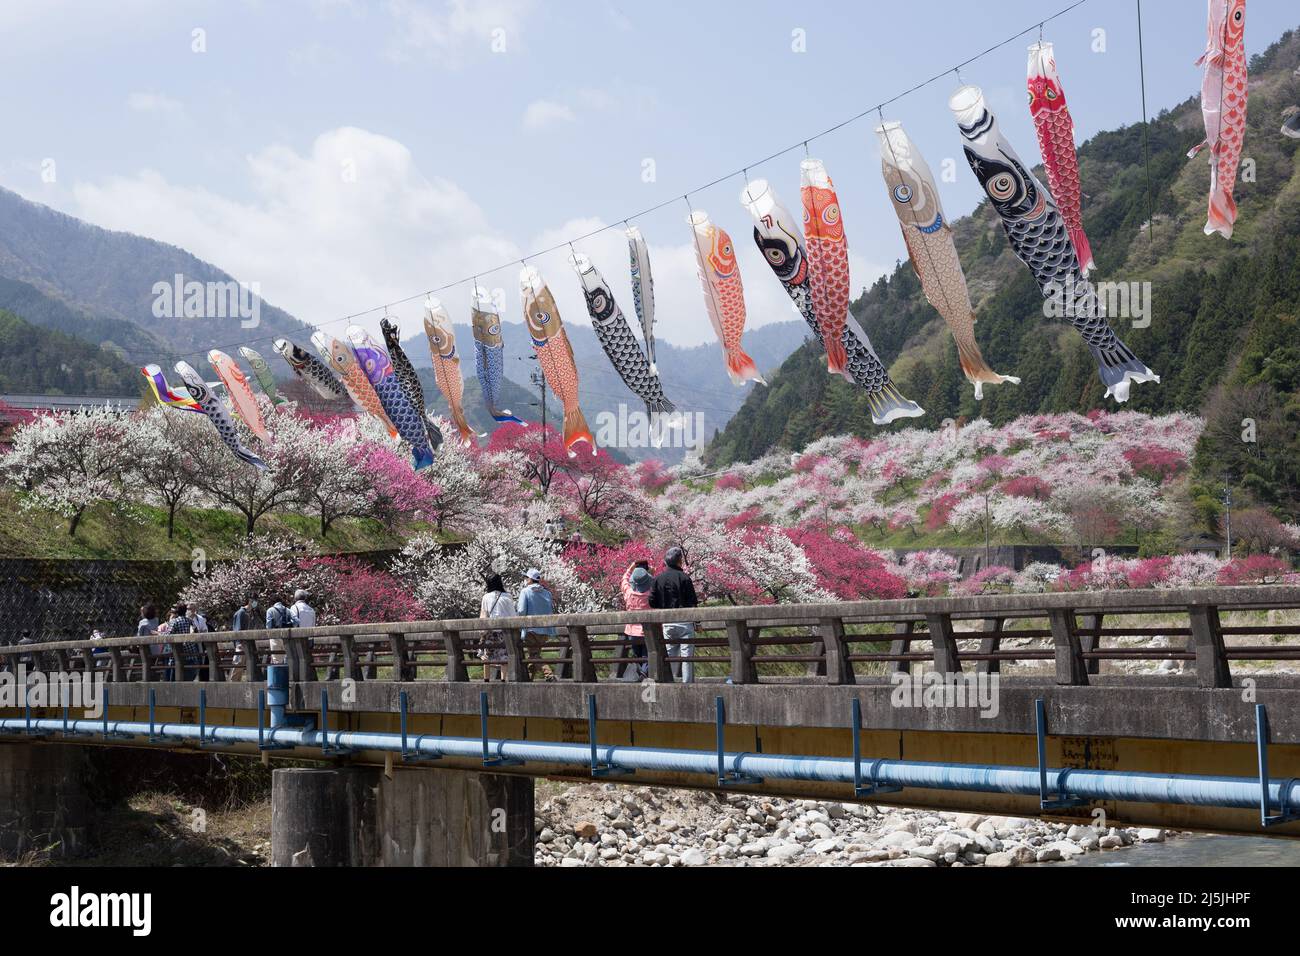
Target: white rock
(897, 838)
(1049, 854)
(785, 851)
(1000, 860)
(1151, 835)
(693, 857)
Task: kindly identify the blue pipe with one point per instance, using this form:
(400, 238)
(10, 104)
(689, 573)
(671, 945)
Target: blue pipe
(1192, 790)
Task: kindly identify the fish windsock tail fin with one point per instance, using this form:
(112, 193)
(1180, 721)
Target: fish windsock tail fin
(245, 455)
(741, 367)
(421, 458)
(576, 430)
(1120, 369)
(889, 404)
(434, 433)
(837, 359)
(504, 416)
(1203, 144)
(467, 434)
(977, 370)
(1083, 250)
(1223, 211)
(661, 405)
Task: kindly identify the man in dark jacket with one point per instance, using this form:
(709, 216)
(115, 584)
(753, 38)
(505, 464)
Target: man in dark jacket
(673, 588)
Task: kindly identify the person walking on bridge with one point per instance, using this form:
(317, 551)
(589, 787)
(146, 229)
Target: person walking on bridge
(535, 600)
(635, 588)
(673, 588)
(497, 602)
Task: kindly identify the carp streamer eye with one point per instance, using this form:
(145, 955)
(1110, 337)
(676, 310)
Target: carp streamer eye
(903, 192)
(1052, 94)
(832, 215)
(1002, 186)
(776, 257)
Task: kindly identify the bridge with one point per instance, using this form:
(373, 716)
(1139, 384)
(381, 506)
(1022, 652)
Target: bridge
(1055, 705)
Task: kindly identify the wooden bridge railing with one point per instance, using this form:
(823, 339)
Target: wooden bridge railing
(830, 643)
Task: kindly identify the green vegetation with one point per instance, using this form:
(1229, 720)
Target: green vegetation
(1223, 332)
(45, 362)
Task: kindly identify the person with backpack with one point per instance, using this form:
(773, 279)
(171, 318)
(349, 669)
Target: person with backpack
(278, 617)
(673, 588)
(497, 602)
(535, 600)
(635, 588)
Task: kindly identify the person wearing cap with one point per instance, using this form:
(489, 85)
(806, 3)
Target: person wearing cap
(635, 587)
(535, 600)
(673, 588)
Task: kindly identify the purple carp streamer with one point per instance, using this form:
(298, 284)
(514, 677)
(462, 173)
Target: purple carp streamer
(378, 369)
(344, 362)
(1040, 238)
(216, 413)
(928, 237)
(781, 241)
(616, 337)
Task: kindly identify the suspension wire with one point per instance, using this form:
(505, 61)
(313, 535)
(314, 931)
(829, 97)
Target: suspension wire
(742, 171)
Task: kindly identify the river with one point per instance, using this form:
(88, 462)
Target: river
(1199, 850)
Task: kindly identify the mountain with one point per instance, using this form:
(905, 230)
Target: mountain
(1223, 317)
(41, 361)
(112, 276)
(694, 378)
(124, 339)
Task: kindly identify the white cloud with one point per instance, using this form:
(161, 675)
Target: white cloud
(543, 113)
(448, 32)
(154, 103)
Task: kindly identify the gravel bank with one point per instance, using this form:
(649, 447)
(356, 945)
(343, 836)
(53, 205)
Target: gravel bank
(608, 825)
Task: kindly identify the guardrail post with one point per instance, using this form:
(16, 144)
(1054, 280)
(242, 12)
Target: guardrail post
(946, 658)
(146, 665)
(583, 670)
(178, 660)
(401, 667)
(87, 660)
(990, 645)
(901, 644)
(116, 671)
(838, 668)
(1091, 642)
(516, 669)
(348, 651)
(213, 651)
(657, 654)
(455, 647)
(1070, 668)
(1207, 641)
(743, 668)
(252, 670)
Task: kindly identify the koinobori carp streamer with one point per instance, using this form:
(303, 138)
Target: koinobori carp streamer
(554, 354)
(217, 414)
(490, 353)
(724, 294)
(407, 378)
(378, 368)
(1039, 237)
(643, 291)
(616, 337)
(165, 394)
(446, 364)
(1223, 107)
(310, 369)
(780, 239)
(343, 361)
(828, 259)
(928, 237)
(262, 372)
(1055, 128)
(241, 393)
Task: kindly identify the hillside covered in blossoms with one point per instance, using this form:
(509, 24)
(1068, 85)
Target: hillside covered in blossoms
(847, 518)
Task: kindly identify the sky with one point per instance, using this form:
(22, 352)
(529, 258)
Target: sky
(344, 154)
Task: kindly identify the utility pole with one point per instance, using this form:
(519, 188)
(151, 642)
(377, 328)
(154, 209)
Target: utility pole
(1227, 503)
(539, 379)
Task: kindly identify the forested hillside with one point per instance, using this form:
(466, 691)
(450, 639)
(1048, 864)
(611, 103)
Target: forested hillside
(1223, 333)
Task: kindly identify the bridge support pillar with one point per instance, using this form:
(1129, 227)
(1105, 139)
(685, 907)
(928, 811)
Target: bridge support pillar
(43, 802)
(359, 816)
